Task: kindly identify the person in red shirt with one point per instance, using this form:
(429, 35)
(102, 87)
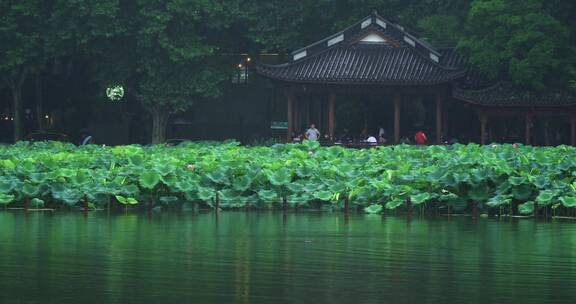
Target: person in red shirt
(420, 138)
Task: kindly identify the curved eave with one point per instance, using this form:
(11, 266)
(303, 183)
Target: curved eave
(460, 94)
(364, 66)
(456, 76)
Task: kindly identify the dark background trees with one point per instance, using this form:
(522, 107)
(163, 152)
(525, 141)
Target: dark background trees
(171, 54)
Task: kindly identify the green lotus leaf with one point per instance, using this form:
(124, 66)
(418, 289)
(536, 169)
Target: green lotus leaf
(38, 177)
(480, 192)
(541, 182)
(165, 169)
(36, 203)
(522, 192)
(126, 200)
(280, 177)
(299, 199)
(311, 145)
(169, 180)
(373, 209)
(242, 183)
(68, 196)
(295, 187)
(545, 197)
(185, 185)
(6, 199)
(420, 198)
(218, 177)
(149, 180)
(7, 184)
(7, 164)
(205, 194)
(323, 195)
(568, 201)
(30, 190)
(229, 195)
(130, 190)
(304, 171)
(80, 177)
(268, 196)
(136, 160)
(516, 180)
(498, 200)
(395, 203)
(526, 208)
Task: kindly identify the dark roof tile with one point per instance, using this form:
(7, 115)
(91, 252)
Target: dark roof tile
(363, 64)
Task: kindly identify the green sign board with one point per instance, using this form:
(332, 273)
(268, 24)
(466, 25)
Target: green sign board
(279, 125)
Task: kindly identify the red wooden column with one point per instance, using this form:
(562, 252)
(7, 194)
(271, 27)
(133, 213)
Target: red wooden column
(290, 114)
(397, 118)
(331, 105)
(483, 122)
(573, 131)
(439, 114)
(528, 129)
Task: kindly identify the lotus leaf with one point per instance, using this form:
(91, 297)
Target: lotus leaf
(6, 199)
(149, 180)
(568, 201)
(126, 200)
(545, 197)
(373, 209)
(526, 208)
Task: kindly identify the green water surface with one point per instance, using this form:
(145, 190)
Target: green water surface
(268, 258)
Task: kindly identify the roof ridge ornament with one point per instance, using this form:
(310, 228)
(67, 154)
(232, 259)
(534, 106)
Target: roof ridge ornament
(374, 22)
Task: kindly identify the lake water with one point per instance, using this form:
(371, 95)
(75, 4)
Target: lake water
(267, 258)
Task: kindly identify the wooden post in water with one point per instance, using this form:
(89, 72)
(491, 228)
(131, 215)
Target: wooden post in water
(346, 204)
(149, 206)
(409, 206)
(85, 201)
(217, 202)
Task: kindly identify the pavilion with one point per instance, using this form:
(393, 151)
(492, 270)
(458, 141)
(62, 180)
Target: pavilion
(379, 58)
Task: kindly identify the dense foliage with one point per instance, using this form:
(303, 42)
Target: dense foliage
(169, 54)
(458, 178)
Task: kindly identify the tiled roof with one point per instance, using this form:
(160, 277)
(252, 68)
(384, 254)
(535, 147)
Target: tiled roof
(507, 94)
(363, 64)
(344, 58)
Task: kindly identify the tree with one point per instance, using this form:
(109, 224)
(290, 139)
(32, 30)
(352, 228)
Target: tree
(36, 31)
(518, 39)
(167, 55)
(21, 51)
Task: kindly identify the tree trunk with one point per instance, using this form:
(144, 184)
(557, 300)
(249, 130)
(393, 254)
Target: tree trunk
(39, 103)
(17, 112)
(159, 124)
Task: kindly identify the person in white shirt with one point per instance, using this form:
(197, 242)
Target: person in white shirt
(372, 140)
(312, 133)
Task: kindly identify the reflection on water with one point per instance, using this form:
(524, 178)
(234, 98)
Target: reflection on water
(259, 258)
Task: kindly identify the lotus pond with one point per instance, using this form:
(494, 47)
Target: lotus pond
(277, 257)
(469, 179)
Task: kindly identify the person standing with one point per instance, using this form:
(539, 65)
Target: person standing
(420, 138)
(312, 133)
